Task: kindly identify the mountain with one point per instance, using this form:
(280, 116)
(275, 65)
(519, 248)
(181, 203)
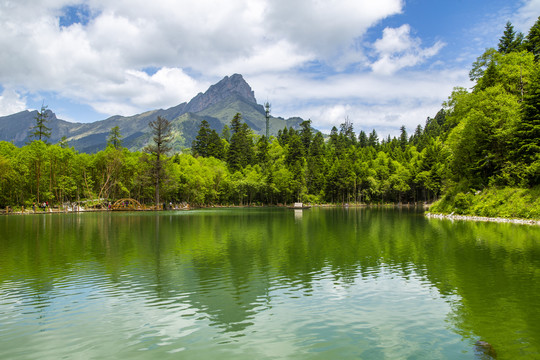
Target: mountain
(217, 105)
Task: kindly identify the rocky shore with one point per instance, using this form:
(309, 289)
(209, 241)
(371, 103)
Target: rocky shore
(481, 218)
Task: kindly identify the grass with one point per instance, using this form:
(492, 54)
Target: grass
(505, 203)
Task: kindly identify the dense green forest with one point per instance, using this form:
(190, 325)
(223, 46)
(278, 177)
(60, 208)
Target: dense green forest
(487, 137)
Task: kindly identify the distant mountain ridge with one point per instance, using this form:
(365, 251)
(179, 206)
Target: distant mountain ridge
(217, 105)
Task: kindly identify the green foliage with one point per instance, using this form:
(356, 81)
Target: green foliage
(306, 134)
(510, 41)
(532, 42)
(513, 71)
(115, 138)
(41, 131)
(481, 142)
(240, 152)
(199, 146)
(528, 132)
(373, 139)
(481, 63)
(162, 136)
(506, 202)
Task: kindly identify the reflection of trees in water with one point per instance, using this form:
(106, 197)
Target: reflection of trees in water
(494, 268)
(228, 263)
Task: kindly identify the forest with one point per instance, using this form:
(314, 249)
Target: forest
(483, 139)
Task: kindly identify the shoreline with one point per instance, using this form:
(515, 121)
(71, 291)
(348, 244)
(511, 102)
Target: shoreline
(428, 215)
(482, 218)
(193, 207)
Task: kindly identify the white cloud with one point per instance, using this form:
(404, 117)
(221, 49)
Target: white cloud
(192, 44)
(327, 26)
(139, 91)
(397, 50)
(11, 102)
(527, 15)
(272, 58)
(369, 100)
(100, 60)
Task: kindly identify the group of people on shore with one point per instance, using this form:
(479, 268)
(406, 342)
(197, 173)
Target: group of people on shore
(44, 205)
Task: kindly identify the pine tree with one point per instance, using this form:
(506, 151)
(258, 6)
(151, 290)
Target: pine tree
(216, 148)
(41, 131)
(115, 138)
(362, 139)
(199, 146)
(334, 137)
(162, 136)
(491, 77)
(416, 139)
(240, 153)
(403, 137)
(306, 134)
(295, 151)
(373, 139)
(532, 43)
(529, 129)
(510, 41)
(226, 133)
(316, 169)
(283, 136)
(346, 132)
(63, 142)
(262, 151)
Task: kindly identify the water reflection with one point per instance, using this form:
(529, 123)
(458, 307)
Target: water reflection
(343, 282)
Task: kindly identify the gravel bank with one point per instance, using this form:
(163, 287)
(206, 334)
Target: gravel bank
(481, 218)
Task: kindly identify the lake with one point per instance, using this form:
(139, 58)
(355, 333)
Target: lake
(267, 283)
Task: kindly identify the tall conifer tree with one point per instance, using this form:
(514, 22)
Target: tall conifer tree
(162, 136)
(532, 43)
(240, 153)
(41, 131)
(529, 129)
(510, 41)
(202, 140)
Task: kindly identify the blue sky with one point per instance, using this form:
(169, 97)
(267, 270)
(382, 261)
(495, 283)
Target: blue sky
(381, 64)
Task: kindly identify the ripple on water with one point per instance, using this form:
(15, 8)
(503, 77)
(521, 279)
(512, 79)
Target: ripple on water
(368, 317)
(290, 318)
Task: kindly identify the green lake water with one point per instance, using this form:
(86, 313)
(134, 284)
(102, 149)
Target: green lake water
(267, 283)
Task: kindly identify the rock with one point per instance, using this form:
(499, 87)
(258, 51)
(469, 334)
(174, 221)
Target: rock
(484, 350)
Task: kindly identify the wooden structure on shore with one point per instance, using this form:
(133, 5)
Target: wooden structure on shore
(128, 204)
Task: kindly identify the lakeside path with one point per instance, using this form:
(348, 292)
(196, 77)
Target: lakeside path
(481, 218)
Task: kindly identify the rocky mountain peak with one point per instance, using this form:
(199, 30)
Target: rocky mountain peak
(224, 89)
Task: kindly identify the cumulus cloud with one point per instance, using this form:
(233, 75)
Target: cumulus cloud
(139, 91)
(397, 49)
(527, 15)
(95, 51)
(11, 102)
(327, 26)
(99, 52)
(273, 58)
(370, 100)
